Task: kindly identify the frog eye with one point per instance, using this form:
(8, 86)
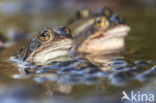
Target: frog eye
(101, 22)
(45, 34)
(63, 30)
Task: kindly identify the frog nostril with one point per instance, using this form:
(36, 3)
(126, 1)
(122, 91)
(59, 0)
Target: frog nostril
(117, 19)
(63, 30)
(114, 18)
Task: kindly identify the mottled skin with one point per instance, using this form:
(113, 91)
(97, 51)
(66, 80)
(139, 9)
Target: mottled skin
(47, 46)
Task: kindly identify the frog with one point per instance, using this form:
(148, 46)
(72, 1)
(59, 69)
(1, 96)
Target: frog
(49, 45)
(104, 37)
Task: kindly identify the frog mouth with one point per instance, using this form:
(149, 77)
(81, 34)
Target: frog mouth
(107, 41)
(114, 39)
(117, 31)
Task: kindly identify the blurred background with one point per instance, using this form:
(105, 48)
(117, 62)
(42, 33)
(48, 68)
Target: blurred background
(21, 19)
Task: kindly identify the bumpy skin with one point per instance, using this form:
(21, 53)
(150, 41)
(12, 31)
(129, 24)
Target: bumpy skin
(47, 46)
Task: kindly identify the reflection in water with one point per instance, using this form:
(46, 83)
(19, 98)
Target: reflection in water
(60, 78)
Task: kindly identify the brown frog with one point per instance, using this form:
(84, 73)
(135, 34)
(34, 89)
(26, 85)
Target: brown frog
(47, 46)
(104, 37)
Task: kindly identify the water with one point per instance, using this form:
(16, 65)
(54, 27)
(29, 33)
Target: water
(140, 47)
